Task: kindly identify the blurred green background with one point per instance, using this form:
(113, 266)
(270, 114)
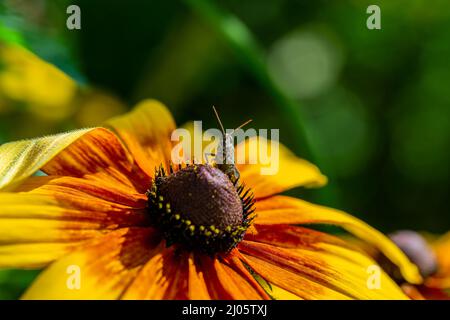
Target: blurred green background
(370, 107)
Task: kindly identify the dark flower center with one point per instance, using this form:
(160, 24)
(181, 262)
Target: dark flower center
(200, 208)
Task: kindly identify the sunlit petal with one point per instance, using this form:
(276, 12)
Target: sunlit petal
(287, 210)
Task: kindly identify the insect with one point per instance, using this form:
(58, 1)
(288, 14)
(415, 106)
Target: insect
(224, 159)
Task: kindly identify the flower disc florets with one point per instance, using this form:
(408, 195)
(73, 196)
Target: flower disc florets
(199, 208)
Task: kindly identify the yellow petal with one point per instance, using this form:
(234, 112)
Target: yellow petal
(324, 272)
(34, 255)
(295, 284)
(327, 250)
(146, 131)
(280, 294)
(287, 210)
(25, 78)
(105, 267)
(21, 159)
(288, 170)
(51, 219)
(274, 291)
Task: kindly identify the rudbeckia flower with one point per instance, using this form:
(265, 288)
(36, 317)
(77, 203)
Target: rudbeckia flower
(25, 80)
(111, 206)
(431, 255)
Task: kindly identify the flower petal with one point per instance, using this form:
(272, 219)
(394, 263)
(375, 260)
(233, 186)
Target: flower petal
(441, 248)
(197, 283)
(289, 236)
(291, 281)
(289, 171)
(26, 79)
(226, 283)
(276, 292)
(164, 276)
(98, 155)
(34, 255)
(41, 225)
(106, 267)
(81, 187)
(146, 131)
(172, 275)
(21, 159)
(327, 272)
(287, 210)
(233, 261)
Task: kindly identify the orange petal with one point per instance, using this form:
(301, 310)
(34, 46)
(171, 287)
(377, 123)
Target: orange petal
(427, 293)
(98, 155)
(164, 276)
(441, 248)
(81, 187)
(146, 131)
(105, 267)
(328, 272)
(197, 283)
(225, 283)
(289, 236)
(172, 275)
(290, 281)
(412, 292)
(287, 210)
(233, 261)
(39, 226)
(290, 171)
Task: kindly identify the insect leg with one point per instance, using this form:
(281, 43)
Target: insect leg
(208, 154)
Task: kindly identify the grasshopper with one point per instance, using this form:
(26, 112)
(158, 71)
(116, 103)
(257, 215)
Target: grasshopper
(224, 159)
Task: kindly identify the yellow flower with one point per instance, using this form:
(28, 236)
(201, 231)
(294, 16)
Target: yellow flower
(429, 253)
(26, 79)
(432, 256)
(48, 93)
(133, 234)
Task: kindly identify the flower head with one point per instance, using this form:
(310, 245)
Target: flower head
(431, 257)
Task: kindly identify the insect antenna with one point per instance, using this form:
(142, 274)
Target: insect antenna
(242, 125)
(218, 119)
(221, 125)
